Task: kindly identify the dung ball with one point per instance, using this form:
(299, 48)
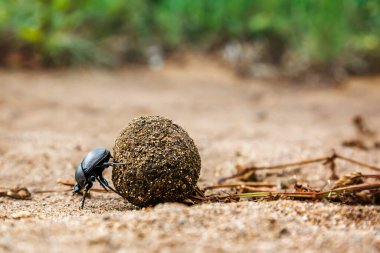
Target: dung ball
(162, 163)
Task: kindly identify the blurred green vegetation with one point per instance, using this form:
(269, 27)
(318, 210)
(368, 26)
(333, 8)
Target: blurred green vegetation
(112, 32)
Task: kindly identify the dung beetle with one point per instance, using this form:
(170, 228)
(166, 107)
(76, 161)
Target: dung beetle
(90, 169)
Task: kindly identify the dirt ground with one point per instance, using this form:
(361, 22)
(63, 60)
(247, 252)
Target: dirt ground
(50, 119)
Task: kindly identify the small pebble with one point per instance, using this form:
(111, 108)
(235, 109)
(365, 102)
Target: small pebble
(21, 214)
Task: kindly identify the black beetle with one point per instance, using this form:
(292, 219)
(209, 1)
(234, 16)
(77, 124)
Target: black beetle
(90, 169)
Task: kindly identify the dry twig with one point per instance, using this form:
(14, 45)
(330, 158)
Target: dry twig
(327, 160)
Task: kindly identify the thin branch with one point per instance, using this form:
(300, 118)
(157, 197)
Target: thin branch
(255, 184)
(371, 176)
(327, 160)
(278, 166)
(71, 184)
(49, 191)
(352, 188)
(310, 195)
(368, 166)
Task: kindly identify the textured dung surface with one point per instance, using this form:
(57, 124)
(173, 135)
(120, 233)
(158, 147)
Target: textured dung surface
(162, 162)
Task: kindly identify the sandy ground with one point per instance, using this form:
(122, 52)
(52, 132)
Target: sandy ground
(50, 120)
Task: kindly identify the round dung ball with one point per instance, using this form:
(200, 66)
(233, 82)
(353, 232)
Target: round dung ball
(162, 163)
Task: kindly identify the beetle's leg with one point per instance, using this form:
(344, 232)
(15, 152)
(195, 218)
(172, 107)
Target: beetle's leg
(107, 164)
(101, 183)
(104, 182)
(86, 189)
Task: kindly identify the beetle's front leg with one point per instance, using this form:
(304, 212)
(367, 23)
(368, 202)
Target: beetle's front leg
(86, 189)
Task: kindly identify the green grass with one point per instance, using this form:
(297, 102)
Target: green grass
(110, 32)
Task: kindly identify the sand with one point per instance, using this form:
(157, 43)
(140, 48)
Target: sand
(51, 119)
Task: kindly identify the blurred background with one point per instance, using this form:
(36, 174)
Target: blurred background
(262, 38)
(237, 75)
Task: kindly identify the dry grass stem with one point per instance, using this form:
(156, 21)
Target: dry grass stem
(246, 184)
(327, 160)
(311, 195)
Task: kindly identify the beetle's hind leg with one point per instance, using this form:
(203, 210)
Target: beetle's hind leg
(102, 184)
(105, 184)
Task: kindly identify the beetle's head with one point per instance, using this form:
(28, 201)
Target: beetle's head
(76, 189)
(80, 178)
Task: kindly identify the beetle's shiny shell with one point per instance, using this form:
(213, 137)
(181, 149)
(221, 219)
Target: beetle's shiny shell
(80, 178)
(89, 164)
(94, 158)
